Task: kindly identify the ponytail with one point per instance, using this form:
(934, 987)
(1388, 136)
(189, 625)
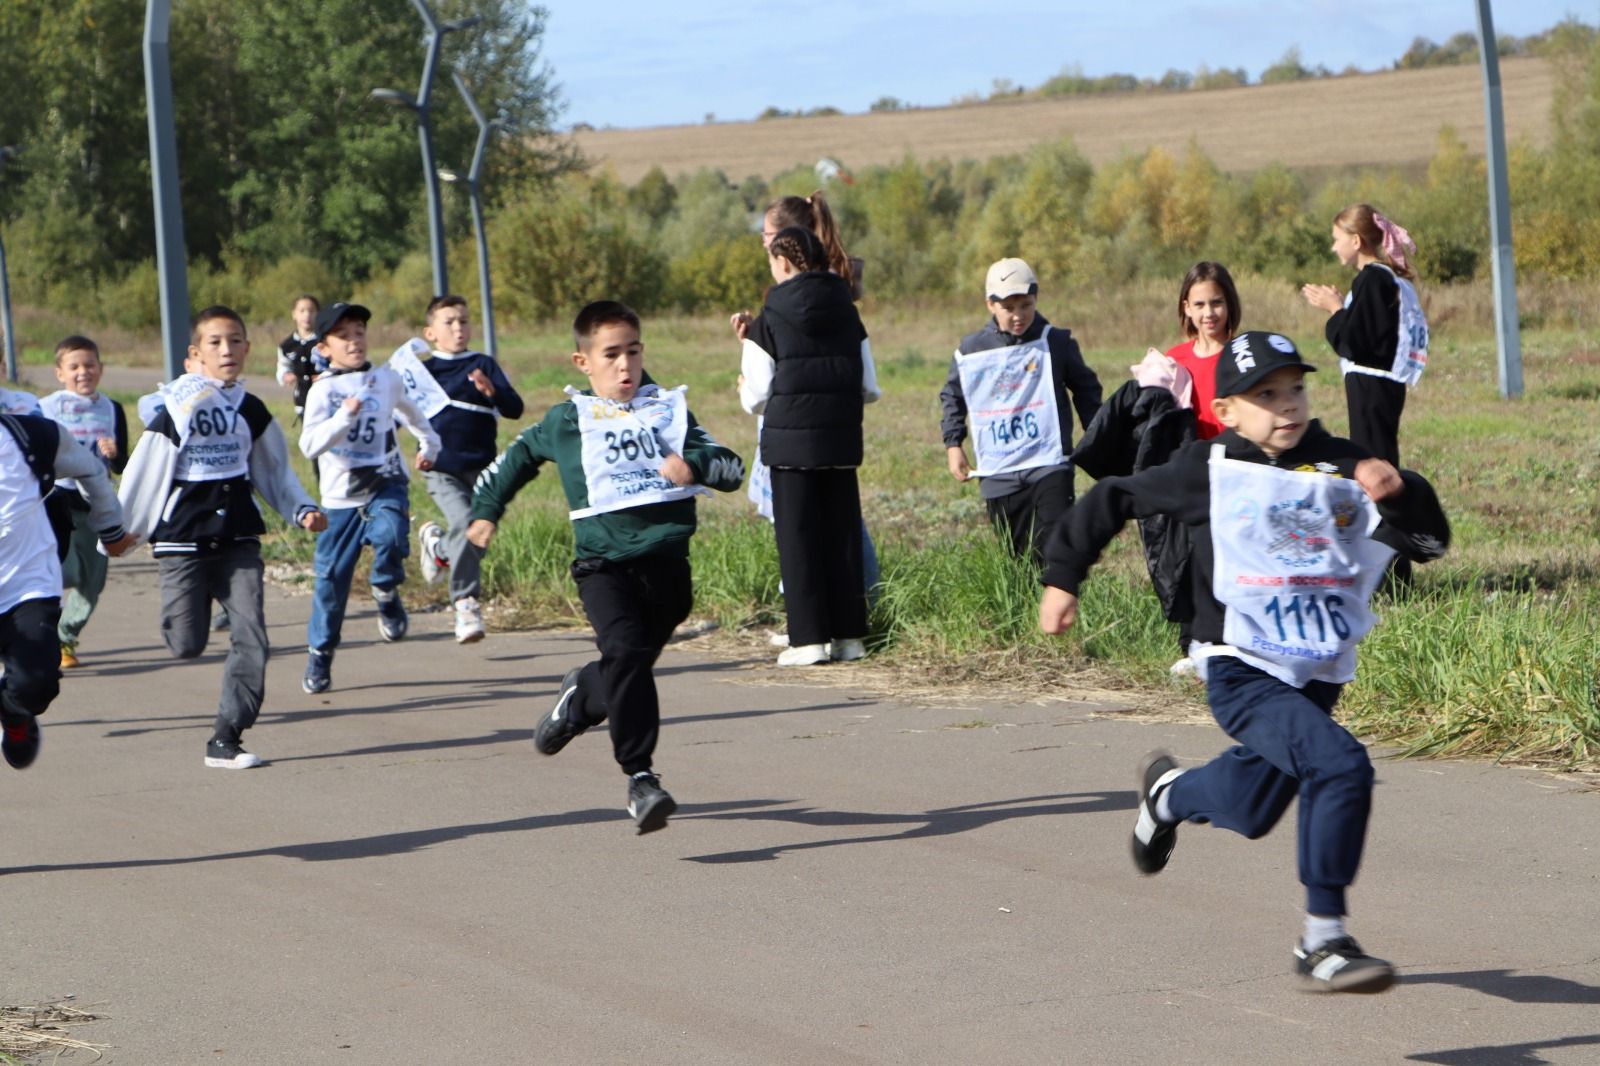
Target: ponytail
(1384, 240)
(812, 213)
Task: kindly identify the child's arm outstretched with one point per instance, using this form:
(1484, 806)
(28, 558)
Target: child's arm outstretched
(272, 476)
(1414, 523)
(75, 461)
(147, 479)
(417, 424)
(502, 479)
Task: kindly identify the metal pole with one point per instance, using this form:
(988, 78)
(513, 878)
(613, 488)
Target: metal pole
(171, 258)
(1507, 326)
(474, 192)
(430, 173)
(5, 293)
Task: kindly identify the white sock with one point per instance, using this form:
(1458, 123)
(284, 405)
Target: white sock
(1320, 929)
(1164, 805)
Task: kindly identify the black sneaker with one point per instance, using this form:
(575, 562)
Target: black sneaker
(648, 802)
(219, 619)
(20, 740)
(556, 728)
(1153, 839)
(319, 672)
(1341, 966)
(392, 622)
(223, 753)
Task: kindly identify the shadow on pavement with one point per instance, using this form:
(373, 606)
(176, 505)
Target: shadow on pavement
(499, 736)
(1505, 1054)
(943, 821)
(1510, 985)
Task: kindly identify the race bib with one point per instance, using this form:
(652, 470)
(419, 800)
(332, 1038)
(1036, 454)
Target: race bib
(759, 487)
(213, 437)
(1295, 565)
(89, 422)
(368, 440)
(17, 402)
(1411, 347)
(623, 446)
(420, 385)
(1011, 401)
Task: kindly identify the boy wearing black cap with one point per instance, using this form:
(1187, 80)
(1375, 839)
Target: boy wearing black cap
(349, 427)
(1013, 378)
(1292, 528)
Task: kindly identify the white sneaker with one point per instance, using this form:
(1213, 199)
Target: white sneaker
(778, 640)
(804, 655)
(429, 536)
(847, 650)
(469, 620)
(1184, 669)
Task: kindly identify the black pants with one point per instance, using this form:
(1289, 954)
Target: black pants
(1375, 405)
(633, 606)
(816, 515)
(32, 657)
(1032, 512)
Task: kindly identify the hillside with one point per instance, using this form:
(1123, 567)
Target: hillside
(1391, 117)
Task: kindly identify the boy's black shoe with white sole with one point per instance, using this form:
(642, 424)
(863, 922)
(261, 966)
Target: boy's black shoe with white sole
(20, 739)
(226, 753)
(392, 621)
(1154, 839)
(319, 672)
(1341, 966)
(648, 802)
(557, 727)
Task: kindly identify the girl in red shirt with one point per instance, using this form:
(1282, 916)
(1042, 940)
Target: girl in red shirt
(1208, 311)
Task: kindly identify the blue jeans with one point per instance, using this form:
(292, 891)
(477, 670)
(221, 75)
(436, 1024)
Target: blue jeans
(384, 524)
(1289, 746)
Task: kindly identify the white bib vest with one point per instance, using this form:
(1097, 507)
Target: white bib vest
(213, 437)
(89, 422)
(759, 489)
(1411, 350)
(1011, 399)
(366, 442)
(1295, 565)
(623, 446)
(420, 385)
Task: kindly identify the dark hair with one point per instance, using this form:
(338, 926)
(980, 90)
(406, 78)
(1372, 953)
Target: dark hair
(1217, 274)
(209, 313)
(439, 303)
(811, 213)
(76, 343)
(306, 296)
(1362, 220)
(597, 314)
(801, 248)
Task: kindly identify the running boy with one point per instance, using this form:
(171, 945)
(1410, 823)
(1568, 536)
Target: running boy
(349, 426)
(464, 394)
(298, 361)
(631, 459)
(99, 424)
(188, 489)
(1014, 376)
(33, 453)
(1292, 528)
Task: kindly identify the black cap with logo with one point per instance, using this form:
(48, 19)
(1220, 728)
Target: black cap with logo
(1249, 357)
(331, 316)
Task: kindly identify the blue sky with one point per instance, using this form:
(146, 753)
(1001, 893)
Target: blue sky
(648, 63)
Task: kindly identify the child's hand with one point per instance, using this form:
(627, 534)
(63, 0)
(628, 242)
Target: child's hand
(288, 379)
(1380, 480)
(1058, 610)
(1324, 297)
(675, 470)
(956, 458)
(314, 521)
(481, 382)
(107, 446)
(740, 321)
(480, 532)
(423, 463)
(122, 544)
(352, 404)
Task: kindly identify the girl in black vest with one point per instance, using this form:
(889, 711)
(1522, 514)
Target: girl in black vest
(808, 369)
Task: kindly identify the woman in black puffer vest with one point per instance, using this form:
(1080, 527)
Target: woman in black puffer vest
(808, 368)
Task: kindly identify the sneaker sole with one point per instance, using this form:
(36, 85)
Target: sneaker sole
(239, 762)
(1368, 983)
(655, 816)
(470, 638)
(391, 636)
(314, 690)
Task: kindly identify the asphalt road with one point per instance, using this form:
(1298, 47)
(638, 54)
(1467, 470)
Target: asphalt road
(849, 879)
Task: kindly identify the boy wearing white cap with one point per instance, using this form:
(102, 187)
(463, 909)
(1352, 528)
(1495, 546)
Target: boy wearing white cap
(1013, 379)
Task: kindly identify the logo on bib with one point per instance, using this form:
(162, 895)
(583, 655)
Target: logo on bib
(1299, 532)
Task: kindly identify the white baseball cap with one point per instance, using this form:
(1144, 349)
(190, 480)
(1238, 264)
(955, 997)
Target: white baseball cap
(1010, 277)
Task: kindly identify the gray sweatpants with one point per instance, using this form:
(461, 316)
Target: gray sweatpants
(453, 495)
(231, 576)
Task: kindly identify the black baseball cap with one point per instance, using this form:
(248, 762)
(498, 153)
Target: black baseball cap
(333, 314)
(1249, 357)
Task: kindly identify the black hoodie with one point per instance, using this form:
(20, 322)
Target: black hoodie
(811, 329)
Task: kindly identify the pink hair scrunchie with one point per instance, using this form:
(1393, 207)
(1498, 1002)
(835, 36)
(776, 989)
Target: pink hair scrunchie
(1397, 243)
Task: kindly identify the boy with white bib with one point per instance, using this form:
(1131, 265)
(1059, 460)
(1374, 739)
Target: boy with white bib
(631, 458)
(99, 424)
(1011, 380)
(208, 446)
(349, 429)
(1292, 528)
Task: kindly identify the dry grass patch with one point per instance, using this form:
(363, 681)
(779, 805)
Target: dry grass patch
(40, 1028)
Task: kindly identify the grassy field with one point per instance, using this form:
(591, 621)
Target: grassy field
(1241, 129)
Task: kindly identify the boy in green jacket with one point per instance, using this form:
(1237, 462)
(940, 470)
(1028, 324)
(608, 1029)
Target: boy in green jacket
(631, 458)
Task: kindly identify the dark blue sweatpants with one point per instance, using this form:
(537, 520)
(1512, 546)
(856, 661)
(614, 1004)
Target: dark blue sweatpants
(1289, 745)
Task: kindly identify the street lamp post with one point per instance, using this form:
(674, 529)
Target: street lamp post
(7, 152)
(474, 193)
(1507, 327)
(172, 262)
(419, 104)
